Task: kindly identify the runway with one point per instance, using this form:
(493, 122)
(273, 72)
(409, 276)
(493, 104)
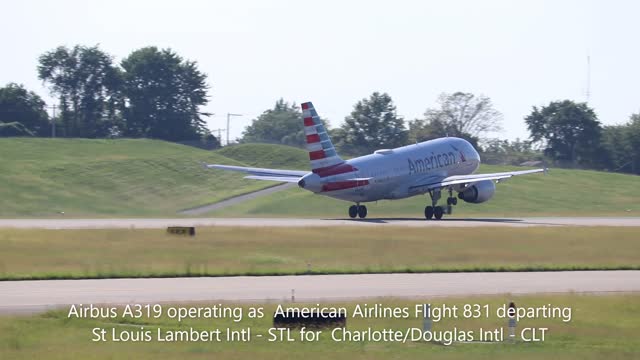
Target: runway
(298, 222)
(37, 296)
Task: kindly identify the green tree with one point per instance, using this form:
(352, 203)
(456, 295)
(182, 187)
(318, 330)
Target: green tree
(87, 85)
(633, 137)
(569, 131)
(164, 93)
(423, 130)
(373, 124)
(281, 125)
(460, 114)
(505, 152)
(621, 145)
(22, 112)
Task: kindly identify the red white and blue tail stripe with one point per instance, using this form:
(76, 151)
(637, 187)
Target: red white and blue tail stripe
(322, 153)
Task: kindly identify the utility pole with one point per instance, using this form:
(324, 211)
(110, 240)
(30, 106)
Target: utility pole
(219, 134)
(588, 78)
(229, 115)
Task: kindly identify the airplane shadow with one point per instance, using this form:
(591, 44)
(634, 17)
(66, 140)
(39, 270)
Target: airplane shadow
(452, 220)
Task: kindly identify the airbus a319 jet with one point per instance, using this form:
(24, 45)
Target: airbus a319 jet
(444, 164)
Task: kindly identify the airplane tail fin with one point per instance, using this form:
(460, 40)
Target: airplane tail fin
(322, 153)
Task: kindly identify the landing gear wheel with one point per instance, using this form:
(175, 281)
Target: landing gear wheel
(438, 212)
(428, 212)
(362, 211)
(454, 201)
(353, 211)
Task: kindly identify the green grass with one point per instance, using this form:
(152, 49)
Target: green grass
(217, 251)
(601, 327)
(268, 155)
(82, 178)
(116, 178)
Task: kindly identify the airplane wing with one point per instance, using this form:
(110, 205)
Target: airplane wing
(434, 183)
(262, 173)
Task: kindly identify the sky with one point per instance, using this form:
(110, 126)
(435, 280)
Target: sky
(518, 53)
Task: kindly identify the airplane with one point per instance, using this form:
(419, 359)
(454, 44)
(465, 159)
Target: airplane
(433, 166)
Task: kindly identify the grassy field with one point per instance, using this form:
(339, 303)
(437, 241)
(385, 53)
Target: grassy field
(267, 155)
(82, 178)
(116, 178)
(600, 327)
(28, 254)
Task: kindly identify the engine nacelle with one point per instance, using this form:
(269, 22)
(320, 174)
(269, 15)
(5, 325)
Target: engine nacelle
(478, 192)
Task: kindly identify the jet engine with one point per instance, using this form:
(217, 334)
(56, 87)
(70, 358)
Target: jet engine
(479, 192)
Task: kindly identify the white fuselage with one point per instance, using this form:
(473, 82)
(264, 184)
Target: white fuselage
(394, 173)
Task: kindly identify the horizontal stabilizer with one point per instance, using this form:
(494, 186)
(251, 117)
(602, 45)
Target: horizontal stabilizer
(261, 171)
(274, 178)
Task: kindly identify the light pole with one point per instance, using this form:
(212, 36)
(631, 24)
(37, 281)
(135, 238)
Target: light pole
(229, 115)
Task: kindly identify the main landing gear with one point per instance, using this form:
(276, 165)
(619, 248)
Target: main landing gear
(438, 212)
(433, 211)
(357, 211)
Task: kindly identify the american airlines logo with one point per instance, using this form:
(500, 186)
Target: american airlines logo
(435, 161)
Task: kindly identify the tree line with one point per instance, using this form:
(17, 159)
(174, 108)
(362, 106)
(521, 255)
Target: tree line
(155, 93)
(563, 133)
(151, 93)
